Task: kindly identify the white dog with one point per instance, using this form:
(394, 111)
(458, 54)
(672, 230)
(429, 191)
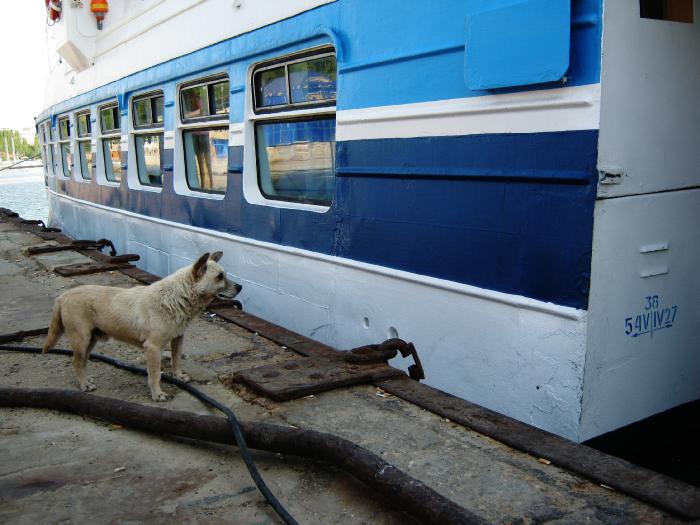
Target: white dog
(145, 316)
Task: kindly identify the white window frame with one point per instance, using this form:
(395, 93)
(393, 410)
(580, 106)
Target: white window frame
(45, 141)
(251, 189)
(60, 142)
(101, 168)
(78, 140)
(132, 172)
(179, 171)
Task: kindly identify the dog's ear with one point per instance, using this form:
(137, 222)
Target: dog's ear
(200, 266)
(216, 256)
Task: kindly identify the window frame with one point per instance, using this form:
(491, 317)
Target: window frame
(252, 189)
(208, 82)
(303, 118)
(184, 157)
(296, 58)
(80, 140)
(137, 130)
(209, 122)
(65, 142)
(109, 135)
(45, 139)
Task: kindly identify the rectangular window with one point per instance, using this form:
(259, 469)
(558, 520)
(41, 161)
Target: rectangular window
(64, 145)
(45, 145)
(63, 129)
(148, 138)
(85, 153)
(205, 148)
(109, 119)
(205, 101)
(206, 159)
(84, 124)
(111, 142)
(149, 157)
(66, 159)
(113, 159)
(295, 154)
(296, 160)
(300, 83)
(86, 159)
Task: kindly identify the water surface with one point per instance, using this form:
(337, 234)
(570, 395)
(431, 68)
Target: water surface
(22, 190)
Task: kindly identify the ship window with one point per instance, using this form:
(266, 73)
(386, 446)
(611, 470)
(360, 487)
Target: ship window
(148, 138)
(148, 111)
(44, 137)
(111, 148)
(85, 152)
(205, 101)
(109, 119)
(670, 10)
(304, 82)
(296, 160)
(206, 158)
(203, 106)
(64, 129)
(65, 146)
(111, 142)
(149, 158)
(295, 152)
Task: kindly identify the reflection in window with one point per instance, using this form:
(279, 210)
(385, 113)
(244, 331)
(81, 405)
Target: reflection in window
(109, 119)
(148, 139)
(271, 87)
(63, 129)
(142, 112)
(55, 155)
(195, 102)
(205, 100)
(85, 153)
(313, 80)
(206, 159)
(113, 163)
(86, 159)
(296, 160)
(149, 158)
(84, 125)
(66, 159)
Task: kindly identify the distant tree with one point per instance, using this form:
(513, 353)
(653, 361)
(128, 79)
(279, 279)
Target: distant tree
(22, 147)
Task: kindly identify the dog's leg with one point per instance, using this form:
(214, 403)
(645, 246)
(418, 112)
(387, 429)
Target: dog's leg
(176, 352)
(152, 352)
(82, 344)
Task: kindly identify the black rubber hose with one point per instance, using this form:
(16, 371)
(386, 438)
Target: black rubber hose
(235, 425)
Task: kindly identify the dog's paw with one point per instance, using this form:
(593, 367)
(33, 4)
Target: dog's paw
(89, 387)
(160, 397)
(183, 377)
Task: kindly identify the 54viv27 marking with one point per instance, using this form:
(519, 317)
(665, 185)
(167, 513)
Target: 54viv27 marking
(654, 318)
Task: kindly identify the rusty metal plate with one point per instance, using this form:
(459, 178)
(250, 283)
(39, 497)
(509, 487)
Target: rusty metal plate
(70, 270)
(310, 375)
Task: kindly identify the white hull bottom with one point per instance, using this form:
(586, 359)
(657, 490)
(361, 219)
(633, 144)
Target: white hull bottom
(518, 356)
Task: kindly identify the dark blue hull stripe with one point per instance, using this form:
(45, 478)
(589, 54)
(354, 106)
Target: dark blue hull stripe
(512, 213)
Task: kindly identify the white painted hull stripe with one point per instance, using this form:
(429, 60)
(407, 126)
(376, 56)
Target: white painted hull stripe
(564, 109)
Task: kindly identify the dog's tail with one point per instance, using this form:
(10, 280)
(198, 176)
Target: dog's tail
(55, 328)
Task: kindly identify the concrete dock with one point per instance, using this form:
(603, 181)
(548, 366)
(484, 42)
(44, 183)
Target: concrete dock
(62, 468)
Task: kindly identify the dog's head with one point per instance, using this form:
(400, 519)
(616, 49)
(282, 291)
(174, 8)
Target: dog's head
(210, 278)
